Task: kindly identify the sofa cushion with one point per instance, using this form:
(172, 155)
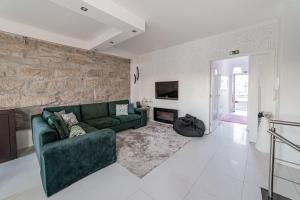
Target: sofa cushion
(68, 109)
(59, 125)
(76, 130)
(103, 122)
(131, 108)
(121, 109)
(87, 128)
(128, 118)
(70, 119)
(112, 106)
(46, 114)
(93, 111)
(59, 114)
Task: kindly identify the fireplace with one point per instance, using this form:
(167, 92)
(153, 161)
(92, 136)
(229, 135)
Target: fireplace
(165, 115)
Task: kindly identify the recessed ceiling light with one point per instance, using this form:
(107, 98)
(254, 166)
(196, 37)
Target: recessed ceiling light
(134, 31)
(111, 42)
(84, 9)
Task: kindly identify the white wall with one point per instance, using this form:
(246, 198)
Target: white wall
(289, 62)
(190, 64)
(24, 139)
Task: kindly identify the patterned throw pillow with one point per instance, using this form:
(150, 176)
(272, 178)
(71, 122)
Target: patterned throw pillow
(76, 130)
(121, 109)
(70, 119)
(58, 114)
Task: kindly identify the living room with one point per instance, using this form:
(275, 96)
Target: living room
(110, 99)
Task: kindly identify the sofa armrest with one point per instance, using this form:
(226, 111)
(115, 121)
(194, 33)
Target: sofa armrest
(66, 161)
(143, 113)
(42, 134)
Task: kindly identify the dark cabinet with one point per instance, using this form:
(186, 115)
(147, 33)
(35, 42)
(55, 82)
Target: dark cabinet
(8, 147)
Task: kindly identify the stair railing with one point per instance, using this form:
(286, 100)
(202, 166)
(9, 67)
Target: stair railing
(275, 137)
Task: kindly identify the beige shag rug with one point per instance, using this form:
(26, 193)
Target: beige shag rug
(143, 149)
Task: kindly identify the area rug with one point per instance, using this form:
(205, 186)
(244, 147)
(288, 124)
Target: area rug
(143, 149)
(240, 119)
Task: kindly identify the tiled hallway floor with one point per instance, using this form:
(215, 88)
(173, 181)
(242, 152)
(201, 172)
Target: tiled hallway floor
(221, 166)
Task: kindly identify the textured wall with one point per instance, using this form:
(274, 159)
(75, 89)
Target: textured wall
(38, 74)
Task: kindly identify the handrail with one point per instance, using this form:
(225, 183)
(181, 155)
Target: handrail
(274, 136)
(283, 139)
(287, 123)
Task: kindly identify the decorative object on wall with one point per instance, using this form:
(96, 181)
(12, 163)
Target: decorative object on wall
(134, 78)
(25, 40)
(137, 72)
(136, 75)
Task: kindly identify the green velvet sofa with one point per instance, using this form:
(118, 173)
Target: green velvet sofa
(63, 162)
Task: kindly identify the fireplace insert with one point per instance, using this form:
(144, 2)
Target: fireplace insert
(165, 115)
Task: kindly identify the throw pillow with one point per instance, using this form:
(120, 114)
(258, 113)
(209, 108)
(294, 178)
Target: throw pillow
(58, 114)
(52, 121)
(64, 127)
(121, 109)
(76, 130)
(70, 119)
(131, 108)
(59, 125)
(46, 114)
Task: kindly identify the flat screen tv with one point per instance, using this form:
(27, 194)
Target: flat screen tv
(166, 90)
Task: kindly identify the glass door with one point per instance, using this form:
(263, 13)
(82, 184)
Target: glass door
(240, 93)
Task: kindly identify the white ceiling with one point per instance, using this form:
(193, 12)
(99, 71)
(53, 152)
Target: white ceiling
(51, 17)
(168, 22)
(171, 22)
(64, 22)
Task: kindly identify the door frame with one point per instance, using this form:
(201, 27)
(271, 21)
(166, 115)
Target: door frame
(276, 68)
(212, 71)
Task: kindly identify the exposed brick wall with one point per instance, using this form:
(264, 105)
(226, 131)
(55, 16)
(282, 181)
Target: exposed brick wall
(38, 74)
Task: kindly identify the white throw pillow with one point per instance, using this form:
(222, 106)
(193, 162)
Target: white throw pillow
(70, 119)
(58, 114)
(121, 109)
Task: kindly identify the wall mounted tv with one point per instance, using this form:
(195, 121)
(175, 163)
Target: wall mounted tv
(166, 90)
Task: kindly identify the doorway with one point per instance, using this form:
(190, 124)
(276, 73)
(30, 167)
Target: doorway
(239, 95)
(229, 91)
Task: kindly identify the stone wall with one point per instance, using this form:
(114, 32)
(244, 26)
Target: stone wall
(36, 74)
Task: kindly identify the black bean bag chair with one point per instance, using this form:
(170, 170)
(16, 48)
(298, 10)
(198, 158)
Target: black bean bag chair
(189, 126)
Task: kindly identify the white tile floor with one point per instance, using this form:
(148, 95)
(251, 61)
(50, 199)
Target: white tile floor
(222, 165)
